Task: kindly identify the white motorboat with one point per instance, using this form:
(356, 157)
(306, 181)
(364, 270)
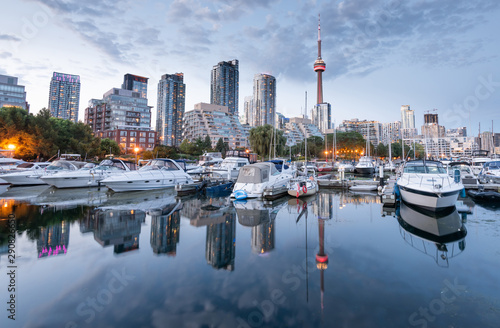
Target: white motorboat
(344, 167)
(7, 163)
(20, 176)
(210, 158)
(365, 165)
(89, 176)
(363, 187)
(490, 173)
(427, 184)
(229, 168)
(253, 179)
(34, 177)
(479, 158)
(390, 166)
(158, 173)
(464, 171)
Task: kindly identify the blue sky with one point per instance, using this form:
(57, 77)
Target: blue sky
(441, 54)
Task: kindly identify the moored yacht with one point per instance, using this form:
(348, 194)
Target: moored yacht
(33, 177)
(490, 173)
(427, 184)
(23, 172)
(365, 165)
(253, 179)
(89, 176)
(158, 173)
(229, 168)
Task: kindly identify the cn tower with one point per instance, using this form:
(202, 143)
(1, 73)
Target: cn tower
(319, 66)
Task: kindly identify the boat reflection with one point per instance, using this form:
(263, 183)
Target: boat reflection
(139, 200)
(165, 229)
(70, 198)
(440, 235)
(260, 216)
(119, 228)
(24, 193)
(201, 214)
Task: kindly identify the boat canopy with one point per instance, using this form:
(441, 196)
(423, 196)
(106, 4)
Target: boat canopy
(493, 165)
(162, 163)
(420, 166)
(256, 173)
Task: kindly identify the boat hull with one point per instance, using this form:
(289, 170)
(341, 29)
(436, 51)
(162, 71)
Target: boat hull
(364, 170)
(23, 180)
(73, 182)
(430, 200)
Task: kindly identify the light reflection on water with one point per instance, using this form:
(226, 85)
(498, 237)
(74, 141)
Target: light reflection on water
(90, 257)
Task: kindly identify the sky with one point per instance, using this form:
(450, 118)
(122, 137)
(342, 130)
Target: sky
(429, 54)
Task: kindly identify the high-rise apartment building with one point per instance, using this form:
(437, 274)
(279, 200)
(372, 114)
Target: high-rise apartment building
(64, 96)
(224, 86)
(408, 129)
(249, 111)
(264, 99)
(12, 94)
(216, 122)
(170, 109)
(136, 83)
(124, 116)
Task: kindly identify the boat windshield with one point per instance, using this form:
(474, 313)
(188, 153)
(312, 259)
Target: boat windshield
(493, 165)
(157, 164)
(110, 165)
(424, 167)
(60, 165)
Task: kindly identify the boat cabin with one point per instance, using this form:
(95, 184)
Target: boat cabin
(256, 173)
(424, 167)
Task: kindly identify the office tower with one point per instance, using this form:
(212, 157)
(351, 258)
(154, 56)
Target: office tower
(136, 83)
(64, 96)
(407, 117)
(220, 247)
(224, 86)
(170, 109)
(12, 94)
(264, 97)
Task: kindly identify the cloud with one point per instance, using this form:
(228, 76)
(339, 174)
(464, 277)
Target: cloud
(8, 37)
(5, 54)
(87, 8)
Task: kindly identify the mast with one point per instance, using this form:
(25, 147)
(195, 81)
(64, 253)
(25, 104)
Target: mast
(305, 137)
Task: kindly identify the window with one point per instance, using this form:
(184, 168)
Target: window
(123, 133)
(132, 134)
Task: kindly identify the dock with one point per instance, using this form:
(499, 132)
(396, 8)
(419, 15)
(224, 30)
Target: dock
(274, 193)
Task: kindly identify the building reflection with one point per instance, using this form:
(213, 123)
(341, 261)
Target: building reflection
(200, 214)
(221, 243)
(120, 228)
(440, 235)
(263, 237)
(53, 240)
(321, 256)
(165, 229)
(323, 207)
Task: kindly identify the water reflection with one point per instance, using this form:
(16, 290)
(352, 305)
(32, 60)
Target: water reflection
(440, 235)
(165, 229)
(53, 240)
(221, 243)
(119, 228)
(260, 216)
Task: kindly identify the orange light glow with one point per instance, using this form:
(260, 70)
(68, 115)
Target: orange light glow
(11, 147)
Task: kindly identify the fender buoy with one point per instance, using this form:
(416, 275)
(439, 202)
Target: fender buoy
(304, 189)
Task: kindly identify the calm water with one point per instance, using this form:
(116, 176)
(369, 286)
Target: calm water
(90, 258)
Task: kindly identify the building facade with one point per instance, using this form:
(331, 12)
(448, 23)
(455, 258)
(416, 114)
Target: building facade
(136, 83)
(224, 86)
(11, 93)
(216, 122)
(390, 133)
(124, 116)
(321, 116)
(64, 96)
(408, 129)
(170, 109)
(248, 111)
(299, 128)
(364, 127)
(264, 97)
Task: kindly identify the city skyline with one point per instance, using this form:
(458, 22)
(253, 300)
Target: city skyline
(381, 54)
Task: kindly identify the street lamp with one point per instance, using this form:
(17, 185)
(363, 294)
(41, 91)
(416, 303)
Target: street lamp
(11, 147)
(136, 151)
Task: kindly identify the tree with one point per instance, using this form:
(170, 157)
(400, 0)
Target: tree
(109, 147)
(162, 151)
(221, 147)
(207, 144)
(262, 141)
